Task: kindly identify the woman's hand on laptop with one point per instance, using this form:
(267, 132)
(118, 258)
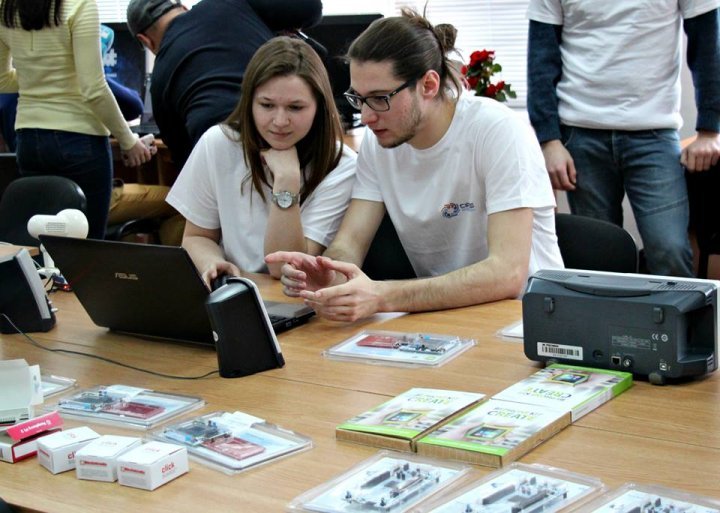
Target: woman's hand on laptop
(218, 268)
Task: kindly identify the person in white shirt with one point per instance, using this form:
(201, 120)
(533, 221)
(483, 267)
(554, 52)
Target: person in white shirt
(275, 176)
(604, 99)
(462, 179)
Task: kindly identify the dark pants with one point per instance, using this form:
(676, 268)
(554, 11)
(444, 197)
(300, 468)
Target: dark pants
(85, 159)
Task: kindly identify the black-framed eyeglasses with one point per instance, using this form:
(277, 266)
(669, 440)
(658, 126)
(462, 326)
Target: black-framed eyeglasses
(378, 102)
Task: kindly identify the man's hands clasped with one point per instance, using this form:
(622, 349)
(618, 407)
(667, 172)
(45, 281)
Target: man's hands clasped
(318, 280)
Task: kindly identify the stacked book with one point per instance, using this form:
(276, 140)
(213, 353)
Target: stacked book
(493, 432)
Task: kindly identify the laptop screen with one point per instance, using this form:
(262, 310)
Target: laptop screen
(140, 289)
(147, 290)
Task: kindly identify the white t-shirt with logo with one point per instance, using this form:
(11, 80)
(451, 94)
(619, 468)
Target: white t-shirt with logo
(208, 193)
(439, 198)
(620, 60)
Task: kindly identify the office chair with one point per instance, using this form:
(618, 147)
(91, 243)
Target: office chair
(31, 195)
(595, 245)
(8, 170)
(386, 259)
(702, 194)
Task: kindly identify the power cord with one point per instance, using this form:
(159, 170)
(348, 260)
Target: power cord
(101, 358)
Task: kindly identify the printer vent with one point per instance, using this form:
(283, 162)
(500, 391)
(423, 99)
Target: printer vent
(677, 285)
(555, 275)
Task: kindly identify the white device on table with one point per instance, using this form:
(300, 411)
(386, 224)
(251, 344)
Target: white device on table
(68, 223)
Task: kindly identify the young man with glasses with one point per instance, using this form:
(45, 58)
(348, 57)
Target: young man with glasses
(462, 178)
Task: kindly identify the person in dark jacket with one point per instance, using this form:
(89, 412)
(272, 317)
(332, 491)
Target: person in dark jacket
(201, 55)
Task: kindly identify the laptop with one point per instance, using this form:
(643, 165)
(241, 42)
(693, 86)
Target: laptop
(147, 290)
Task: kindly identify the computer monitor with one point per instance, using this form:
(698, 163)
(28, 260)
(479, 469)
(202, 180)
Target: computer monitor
(335, 33)
(124, 60)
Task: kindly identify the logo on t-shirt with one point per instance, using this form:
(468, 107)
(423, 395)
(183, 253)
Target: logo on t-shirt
(452, 209)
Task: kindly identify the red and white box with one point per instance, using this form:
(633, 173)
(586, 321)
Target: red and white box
(56, 452)
(151, 465)
(19, 441)
(97, 461)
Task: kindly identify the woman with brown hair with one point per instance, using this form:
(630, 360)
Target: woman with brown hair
(275, 176)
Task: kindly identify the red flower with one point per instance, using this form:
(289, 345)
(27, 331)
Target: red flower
(477, 57)
(477, 76)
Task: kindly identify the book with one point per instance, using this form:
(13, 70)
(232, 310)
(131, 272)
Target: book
(578, 390)
(401, 421)
(494, 433)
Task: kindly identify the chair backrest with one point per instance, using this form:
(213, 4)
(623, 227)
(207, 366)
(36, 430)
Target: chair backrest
(595, 245)
(704, 219)
(8, 170)
(31, 195)
(386, 259)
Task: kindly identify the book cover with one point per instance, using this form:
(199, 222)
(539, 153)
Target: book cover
(578, 390)
(399, 422)
(494, 433)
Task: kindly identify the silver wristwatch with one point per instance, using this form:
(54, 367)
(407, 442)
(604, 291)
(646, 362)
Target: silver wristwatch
(285, 199)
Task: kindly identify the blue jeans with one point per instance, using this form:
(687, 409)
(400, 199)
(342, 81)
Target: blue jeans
(85, 159)
(645, 165)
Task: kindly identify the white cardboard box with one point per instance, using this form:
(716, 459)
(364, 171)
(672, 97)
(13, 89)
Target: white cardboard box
(152, 464)
(98, 460)
(56, 452)
(19, 441)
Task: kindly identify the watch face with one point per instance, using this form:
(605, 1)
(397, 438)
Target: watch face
(284, 199)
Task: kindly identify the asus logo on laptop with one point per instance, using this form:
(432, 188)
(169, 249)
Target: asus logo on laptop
(126, 276)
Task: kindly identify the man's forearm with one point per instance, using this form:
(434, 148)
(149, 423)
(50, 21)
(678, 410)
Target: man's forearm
(479, 283)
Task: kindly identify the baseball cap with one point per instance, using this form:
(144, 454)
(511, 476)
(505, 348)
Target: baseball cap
(143, 13)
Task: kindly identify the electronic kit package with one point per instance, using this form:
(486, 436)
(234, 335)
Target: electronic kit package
(151, 465)
(52, 385)
(398, 348)
(578, 390)
(233, 442)
(401, 421)
(97, 461)
(125, 406)
(21, 391)
(519, 488)
(56, 452)
(494, 433)
(19, 441)
(650, 499)
(387, 482)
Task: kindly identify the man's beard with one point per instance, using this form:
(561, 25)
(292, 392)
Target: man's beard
(409, 129)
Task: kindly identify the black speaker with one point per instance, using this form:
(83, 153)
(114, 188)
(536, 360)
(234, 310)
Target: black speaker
(22, 296)
(244, 337)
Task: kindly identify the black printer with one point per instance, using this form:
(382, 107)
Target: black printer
(656, 326)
